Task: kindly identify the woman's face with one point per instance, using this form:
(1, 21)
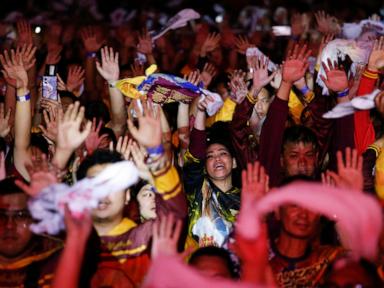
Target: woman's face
(147, 204)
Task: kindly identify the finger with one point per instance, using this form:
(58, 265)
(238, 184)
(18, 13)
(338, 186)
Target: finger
(80, 115)
(74, 111)
(132, 129)
(177, 230)
(249, 173)
(169, 225)
(333, 177)
(163, 224)
(23, 187)
(354, 160)
(87, 130)
(99, 126)
(348, 157)
(118, 145)
(340, 162)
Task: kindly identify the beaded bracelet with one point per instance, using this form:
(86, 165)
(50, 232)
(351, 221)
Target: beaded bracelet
(343, 93)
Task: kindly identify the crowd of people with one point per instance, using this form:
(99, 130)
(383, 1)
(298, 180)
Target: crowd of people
(256, 138)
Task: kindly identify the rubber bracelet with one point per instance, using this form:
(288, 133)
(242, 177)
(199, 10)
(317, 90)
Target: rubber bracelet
(24, 98)
(156, 150)
(343, 93)
(91, 54)
(304, 90)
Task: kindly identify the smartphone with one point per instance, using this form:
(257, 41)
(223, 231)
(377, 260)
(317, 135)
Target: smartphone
(50, 84)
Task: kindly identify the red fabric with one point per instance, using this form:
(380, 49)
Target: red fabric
(364, 131)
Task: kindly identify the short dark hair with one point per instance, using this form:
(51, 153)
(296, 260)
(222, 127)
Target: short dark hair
(221, 253)
(219, 134)
(98, 110)
(8, 186)
(299, 133)
(38, 140)
(99, 156)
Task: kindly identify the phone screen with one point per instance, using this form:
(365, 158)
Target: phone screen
(50, 87)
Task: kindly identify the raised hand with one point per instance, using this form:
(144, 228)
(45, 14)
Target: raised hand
(349, 172)
(42, 174)
(242, 44)
(326, 23)
(125, 36)
(24, 33)
(109, 67)
(27, 53)
(210, 43)
(254, 187)
(50, 118)
(149, 131)
(193, 77)
(238, 86)
(4, 121)
(376, 59)
(75, 79)
(295, 64)
(13, 68)
(336, 79)
(209, 71)
(166, 233)
(78, 227)
(123, 146)
(54, 55)
(90, 41)
(69, 136)
(145, 43)
(93, 139)
(324, 41)
(137, 69)
(260, 75)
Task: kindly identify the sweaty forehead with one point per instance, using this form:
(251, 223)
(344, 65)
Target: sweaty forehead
(16, 201)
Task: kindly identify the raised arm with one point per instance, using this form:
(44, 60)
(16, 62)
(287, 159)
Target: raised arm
(166, 178)
(91, 46)
(240, 130)
(69, 134)
(14, 69)
(67, 273)
(109, 70)
(271, 138)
